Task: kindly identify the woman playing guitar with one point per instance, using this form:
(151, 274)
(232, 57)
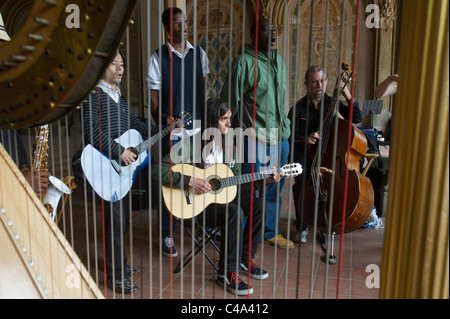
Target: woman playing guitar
(244, 240)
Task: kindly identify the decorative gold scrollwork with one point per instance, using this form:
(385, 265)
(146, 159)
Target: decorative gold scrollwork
(49, 66)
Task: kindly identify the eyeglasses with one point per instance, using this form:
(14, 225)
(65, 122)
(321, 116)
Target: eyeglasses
(179, 22)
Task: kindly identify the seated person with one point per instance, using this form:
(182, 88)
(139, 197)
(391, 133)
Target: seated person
(238, 228)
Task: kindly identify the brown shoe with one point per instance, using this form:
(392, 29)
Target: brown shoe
(280, 242)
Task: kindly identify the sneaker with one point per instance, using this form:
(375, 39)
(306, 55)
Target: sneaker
(280, 242)
(301, 236)
(168, 247)
(128, 271)
(255, 271)
(234, 284)
(122, 286)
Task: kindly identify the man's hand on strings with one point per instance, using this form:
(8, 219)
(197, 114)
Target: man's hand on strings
(312, 138)
(127, 157)
(179, 125)
(277, 176)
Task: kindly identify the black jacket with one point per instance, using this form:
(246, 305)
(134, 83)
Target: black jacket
(307, 120)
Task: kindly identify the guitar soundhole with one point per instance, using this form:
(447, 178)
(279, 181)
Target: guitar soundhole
(215, 184)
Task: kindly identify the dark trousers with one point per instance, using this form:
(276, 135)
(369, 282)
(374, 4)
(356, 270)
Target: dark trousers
(242, 227)
(297, 194)
(117, 222)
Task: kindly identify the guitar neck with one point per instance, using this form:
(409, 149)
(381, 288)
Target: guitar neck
(245, 178)
(154, 139)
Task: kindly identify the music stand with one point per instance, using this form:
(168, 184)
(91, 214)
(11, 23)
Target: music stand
(372, 107)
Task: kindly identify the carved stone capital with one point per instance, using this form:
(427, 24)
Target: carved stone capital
(387, 14)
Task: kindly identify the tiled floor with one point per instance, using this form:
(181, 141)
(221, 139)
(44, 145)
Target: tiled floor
(299, 273)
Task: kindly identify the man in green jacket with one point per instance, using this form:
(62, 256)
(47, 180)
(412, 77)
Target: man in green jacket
(256, 94)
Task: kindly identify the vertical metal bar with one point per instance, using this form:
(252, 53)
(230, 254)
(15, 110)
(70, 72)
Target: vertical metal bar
(150, 182)
(304, 158)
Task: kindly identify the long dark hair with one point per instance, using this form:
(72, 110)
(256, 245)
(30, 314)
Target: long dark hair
(215, 108)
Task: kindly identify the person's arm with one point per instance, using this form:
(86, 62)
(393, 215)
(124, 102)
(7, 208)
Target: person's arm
(301, 139)
(199, 185)
(344, 110)
(231, 90)
(154, 84)
(154, 107)
(154, 100)
(205, 63)
(162, 170)
(205, 66)
(357, 113)
(38, 180)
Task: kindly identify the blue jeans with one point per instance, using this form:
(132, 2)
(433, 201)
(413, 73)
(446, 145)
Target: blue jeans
(267, 156)
(168, 222)
(166, 229)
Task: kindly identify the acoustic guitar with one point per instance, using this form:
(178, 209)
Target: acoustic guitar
(187, 203)
(112, 181)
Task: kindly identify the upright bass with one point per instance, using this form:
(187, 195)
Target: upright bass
(339, 167)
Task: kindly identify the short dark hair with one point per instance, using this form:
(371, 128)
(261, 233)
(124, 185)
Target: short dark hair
(314, 69)
(115, 54)
(167, 15)
(253, 27)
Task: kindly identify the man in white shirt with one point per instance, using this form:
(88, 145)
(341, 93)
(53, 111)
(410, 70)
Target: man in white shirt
(177, 70)
(176, 76)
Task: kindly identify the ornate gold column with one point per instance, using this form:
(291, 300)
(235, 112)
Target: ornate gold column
(416, 249)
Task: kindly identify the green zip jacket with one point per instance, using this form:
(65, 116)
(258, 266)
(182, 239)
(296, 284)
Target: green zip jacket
(271, 122)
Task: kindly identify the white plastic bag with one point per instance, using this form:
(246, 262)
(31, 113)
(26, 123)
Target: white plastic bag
(373, 220)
